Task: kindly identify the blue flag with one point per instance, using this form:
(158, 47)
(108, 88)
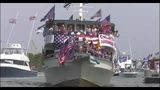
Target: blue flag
(157, 53)
(50, 14)
(122, 59)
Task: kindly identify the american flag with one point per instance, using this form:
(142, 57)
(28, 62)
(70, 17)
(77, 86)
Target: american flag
(106, 20)
(59, 40)
(32, 18)
(66, 53)
(97, 14)
(49, 15)
(12, 20)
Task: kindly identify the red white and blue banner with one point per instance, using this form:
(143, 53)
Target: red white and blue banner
(106, 40)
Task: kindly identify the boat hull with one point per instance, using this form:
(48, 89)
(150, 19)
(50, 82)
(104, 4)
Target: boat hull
(79, 70)
(129, 74)
(16, 72)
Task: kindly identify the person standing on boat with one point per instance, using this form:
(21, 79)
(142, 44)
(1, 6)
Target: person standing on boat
(88, 31)
(63, 29)
(69, 30)
(106, 28)
(47, 26)
(94, 31)
(157, 67)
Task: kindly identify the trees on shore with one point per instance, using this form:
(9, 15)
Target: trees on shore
(36, 61)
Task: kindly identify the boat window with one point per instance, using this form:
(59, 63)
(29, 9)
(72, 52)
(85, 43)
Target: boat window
(25, 64)
(1, 60)
(70, 27)
(80, 27)
(19, 62)
(6, 61)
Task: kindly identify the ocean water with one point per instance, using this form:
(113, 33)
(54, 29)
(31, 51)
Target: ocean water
(39, 81)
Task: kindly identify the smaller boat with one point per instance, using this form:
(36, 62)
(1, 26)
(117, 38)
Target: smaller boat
(129, 71)
(151, 74)
(15, 63)
(116, 72)
(116, 69)
(126, 67)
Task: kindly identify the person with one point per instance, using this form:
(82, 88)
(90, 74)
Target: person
(106, 28)
(84, 46)
(157, 67)
(70, 30)
(88, 30)
(63, 29)
(94, 30)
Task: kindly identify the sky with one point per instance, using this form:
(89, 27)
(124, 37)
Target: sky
(136, 22)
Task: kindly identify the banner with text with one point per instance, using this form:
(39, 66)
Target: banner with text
(106, 40)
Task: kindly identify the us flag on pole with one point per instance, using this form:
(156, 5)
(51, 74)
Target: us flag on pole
(106, 20)
(49, 15)
(59, 40)
(32, 18)
(12, 21)
(98, 14)
(66, 53)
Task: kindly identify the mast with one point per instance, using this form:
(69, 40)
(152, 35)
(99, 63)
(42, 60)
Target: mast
(13, 25)
(30, 36)
(81, 11)
(130, 50)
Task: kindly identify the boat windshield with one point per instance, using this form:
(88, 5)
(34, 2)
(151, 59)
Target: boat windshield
(10, 61)
(12, 51)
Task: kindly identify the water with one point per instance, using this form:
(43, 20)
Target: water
(39, 81)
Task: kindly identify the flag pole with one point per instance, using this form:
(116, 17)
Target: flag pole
(130, 50)
(31, 32)
(13, 25)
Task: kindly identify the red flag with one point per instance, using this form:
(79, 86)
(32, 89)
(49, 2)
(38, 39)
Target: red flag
(12, 20)
(32, 18)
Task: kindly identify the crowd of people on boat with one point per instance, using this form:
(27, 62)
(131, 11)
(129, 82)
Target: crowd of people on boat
(91, 30)
(95, 50)
(84, 46)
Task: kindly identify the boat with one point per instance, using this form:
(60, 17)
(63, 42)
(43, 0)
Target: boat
(15, 63)
(151, 73)
(116, 70)
(87, 64)
(126, 66)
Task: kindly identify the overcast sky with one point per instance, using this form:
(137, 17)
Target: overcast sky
(137, 22)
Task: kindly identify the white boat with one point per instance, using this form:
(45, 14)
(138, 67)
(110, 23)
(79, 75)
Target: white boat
(85, 66)
(15, 63)
(126, 67)
(116, 72)
(116, 68)
(151, 73)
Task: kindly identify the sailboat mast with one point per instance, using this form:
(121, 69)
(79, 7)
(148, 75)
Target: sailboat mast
(13, 25)
(30, 36)
(130, 50)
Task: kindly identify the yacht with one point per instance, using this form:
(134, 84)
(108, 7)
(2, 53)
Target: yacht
(15, 63)
(86, 64)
